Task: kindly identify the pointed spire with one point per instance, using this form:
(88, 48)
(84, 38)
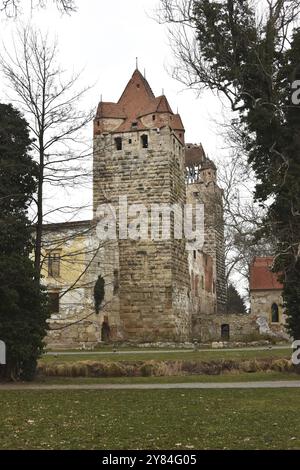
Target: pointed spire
(144, 73)
(137, 63)
(163, 91)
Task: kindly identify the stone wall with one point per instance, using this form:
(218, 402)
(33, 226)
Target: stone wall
(207, 328)
(82, 259)
(207, 192)
(154, 280)
(261, 302)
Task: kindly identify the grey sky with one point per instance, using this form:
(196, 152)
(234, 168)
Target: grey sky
(104, 37)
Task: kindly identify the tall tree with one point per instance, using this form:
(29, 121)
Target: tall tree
(248, 52)
(235, 303)
(49, 100)
(23, 311)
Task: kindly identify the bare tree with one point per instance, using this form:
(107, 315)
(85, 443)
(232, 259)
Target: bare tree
(191, 66)
(49, 100)
(243, 217)
(12, 8)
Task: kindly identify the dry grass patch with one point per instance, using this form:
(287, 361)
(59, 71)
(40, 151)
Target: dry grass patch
(153, 368)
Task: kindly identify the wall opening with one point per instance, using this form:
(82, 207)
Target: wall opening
(53, 302)
(274, 313)
(53, 264)
(118, 143)
(225, 332)
(144, 141)
(116, 282)
(105, 330)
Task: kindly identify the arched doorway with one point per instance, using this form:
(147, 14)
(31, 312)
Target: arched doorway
(274, 313)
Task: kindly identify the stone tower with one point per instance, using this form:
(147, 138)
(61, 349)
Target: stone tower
(202, 186)
(139, 154)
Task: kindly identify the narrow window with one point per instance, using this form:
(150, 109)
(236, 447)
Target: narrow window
(196, 286)
(275, 313)
(195, 254)
(53, 264)
(105, 330)
(53, 302)
(134, 125)
(144, 140)
(116, 281)
(202, 282)
(130, 141)
(225, 332)
(118, 143)
(153, 117)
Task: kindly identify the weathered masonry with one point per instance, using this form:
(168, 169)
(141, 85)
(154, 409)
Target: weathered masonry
(155, 289)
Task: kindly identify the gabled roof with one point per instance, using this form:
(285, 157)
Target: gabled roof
(136, 102)
(157, 105)
(136, 87)
(261, 276)
(177, 123)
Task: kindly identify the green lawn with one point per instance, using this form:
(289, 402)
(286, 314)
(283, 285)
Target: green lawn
(158, 419)
(178, 355)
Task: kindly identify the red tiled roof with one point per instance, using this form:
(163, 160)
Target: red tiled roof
(157, 105)
(137, 101)
(177, 123)
(110, 110)
(261, 277)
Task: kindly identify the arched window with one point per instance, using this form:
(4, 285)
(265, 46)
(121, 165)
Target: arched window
(275, 313)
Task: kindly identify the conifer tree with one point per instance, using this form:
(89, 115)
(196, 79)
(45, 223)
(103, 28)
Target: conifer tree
(23, 308)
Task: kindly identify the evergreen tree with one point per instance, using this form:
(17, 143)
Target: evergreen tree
(252, 57)
(235, 303)
(23, 310)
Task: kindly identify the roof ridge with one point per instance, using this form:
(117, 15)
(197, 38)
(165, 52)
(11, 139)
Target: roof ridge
(137, 74)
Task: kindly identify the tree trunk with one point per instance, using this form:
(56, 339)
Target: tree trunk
(39, 225)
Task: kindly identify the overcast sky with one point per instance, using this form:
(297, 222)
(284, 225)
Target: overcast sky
(104, 38)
